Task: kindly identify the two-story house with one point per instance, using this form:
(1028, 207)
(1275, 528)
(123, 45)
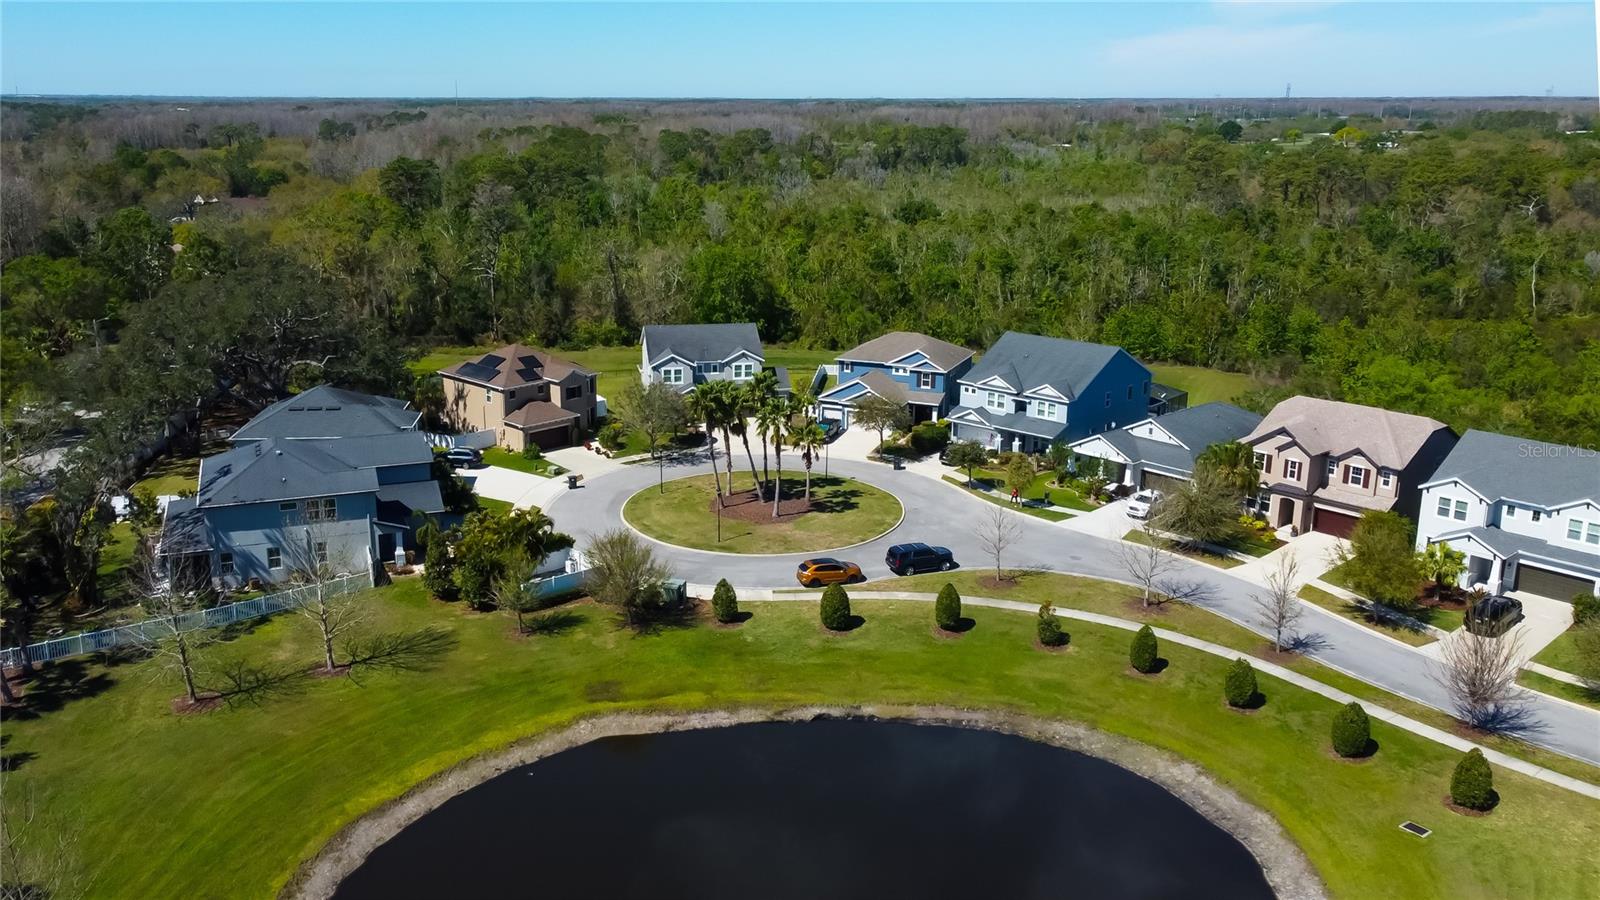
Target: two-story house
(328, 476)
(1525, 513)
(526, 397)
(1159, 452)
(1323, 462)
(684, 356)
(908, 368)
(1030, 391)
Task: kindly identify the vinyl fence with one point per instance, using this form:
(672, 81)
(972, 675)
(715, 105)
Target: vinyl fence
(556, 585)
(144, 632)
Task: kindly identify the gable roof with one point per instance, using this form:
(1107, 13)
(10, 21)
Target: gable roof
(513, 366)
(1029, 361)
(879, 382)
(701, 343)
(281, 469)
(898, 344)
(1197, 428)
(1499, 466)
(326, 411)
(1390, 439)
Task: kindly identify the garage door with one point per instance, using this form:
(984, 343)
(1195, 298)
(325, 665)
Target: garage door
(1337, 524)
(1545, 583)
(551, 438)
(1166, 484)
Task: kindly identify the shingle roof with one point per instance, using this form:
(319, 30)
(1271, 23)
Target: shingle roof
(183, 529)
(1148, 451)
(274, 469)
(417, 496)
(1506, 544)
(1390, 439)
(897, 344)
(329, 412)
(882, 384)
(701, 343)
(1028, 361)
(1499, 467)
(539, 413)
(1017, 422)
(1198, 427)
(513, 366)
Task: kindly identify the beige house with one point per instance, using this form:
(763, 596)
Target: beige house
(525, 396)
(1323, 463)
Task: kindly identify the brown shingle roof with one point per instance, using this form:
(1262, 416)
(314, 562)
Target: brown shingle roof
(513, 366)
(1390, 439)
(895, 344)
(538, 415)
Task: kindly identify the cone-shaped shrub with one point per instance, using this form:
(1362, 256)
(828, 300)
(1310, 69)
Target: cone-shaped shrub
(1143, 652)
(1472, 785)
(1050, 633)
(835, 608)
(724, 602)
(947, 609)
(438, 574)
(1351, 730)
(1240, 685)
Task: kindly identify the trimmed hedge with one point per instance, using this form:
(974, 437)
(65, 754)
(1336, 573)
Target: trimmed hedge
(947, 609)
(835, 608)
(1585, 608)
(724, 602)
(1352, 731)
(1472, 785)
(1143, 653)
(1240, 685)
(1050, 633)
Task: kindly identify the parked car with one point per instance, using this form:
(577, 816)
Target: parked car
(1493, 616)
(827, 570)
(831, 429)
(464, 457)
(1139, 504)
(909, 559)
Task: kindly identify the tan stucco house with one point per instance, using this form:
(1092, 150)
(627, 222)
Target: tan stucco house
(525, 396)
(1323, 463)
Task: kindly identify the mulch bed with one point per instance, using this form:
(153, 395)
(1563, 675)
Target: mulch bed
(1135, 608)
(1059, 648)
(1329, 752)
(1463, 811)
(747, 506)
(991, 583)
(1274, 655)
(207, 703)
(943, 635)
(339, 671)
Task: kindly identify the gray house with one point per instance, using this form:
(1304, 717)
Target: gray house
(685, 356)
(283, 499)
(1159, 451)
(1030, 391)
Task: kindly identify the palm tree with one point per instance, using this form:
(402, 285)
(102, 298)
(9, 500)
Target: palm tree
(808, 439)
(776, 414)
(770, 416)
(726, 401)
(1234, 463)
(1443, 564)
(756, 392)
(702, 406)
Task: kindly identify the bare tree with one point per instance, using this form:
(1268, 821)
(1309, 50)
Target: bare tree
(317, 573)
(1480, 675)
(37, 859)
(998, 530)
(1279, 607)
(172, 596)
(625, 573)
(1148, 563)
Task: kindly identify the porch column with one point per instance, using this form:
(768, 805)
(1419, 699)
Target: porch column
(1497, 567)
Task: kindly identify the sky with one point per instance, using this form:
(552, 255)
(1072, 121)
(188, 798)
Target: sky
(799, 50)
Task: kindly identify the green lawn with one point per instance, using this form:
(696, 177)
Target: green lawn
(1004, 499)
(246, 793)
(498, 456)
(1359, 615)
(170, 476)
(1041, 485)
(1561, 653)
(1576, 693)
(1205, 385)
(681, 513)
(492, 505)
(1195, 553)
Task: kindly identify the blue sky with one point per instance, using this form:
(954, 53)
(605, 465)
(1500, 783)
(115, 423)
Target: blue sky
(1074, 49)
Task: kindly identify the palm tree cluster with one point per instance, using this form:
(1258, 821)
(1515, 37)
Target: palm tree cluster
(779, 420)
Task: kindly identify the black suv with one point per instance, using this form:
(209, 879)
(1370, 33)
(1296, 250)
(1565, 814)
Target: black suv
(909, 559)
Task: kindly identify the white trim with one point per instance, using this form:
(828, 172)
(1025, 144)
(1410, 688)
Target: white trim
(1045, 390)
(1116, 455)
(990, 381)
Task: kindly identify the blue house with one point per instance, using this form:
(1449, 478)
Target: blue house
(306, 486)
(1030, 391)
(909, 368)
(686, 356)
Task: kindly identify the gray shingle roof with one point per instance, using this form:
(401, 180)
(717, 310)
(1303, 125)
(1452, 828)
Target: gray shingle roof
(1502, 467)
(1017, 422)
(1028, 361)
(1388, 438)
(1198, 427)
(261, 471)
(417, 496)
(896, 344)
(1506, 544)
(880, 383)
(701, 343)
(183, 529)
(1150, 452)
(329, 412)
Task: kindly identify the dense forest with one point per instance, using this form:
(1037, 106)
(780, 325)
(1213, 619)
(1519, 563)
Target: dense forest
(161, 259)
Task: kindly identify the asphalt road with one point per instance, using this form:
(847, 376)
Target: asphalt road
(937, 513)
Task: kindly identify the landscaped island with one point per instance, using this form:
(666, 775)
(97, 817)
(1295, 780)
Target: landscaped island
(841, 512)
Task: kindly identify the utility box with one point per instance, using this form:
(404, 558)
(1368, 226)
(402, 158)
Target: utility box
(674, 592)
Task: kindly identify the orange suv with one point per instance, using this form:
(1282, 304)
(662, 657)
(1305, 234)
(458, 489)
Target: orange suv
(826, 570)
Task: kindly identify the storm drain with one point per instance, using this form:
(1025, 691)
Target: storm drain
(1415, 829)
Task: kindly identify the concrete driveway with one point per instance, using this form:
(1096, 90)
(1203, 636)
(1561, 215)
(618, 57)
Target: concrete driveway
(520, 489)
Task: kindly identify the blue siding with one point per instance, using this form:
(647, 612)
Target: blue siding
(248, 531)
(943, 382)
(1088, 414)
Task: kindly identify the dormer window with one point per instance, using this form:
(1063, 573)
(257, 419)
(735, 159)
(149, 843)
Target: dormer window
(1386, 478)
(901, 370)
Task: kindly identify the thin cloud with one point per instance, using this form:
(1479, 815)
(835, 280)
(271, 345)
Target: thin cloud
(1205, 45)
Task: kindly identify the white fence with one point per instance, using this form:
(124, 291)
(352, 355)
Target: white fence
(149, 630)
(475, 440)
(556, 585)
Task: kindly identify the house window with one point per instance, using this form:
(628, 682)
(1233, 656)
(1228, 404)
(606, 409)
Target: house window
(320, 551)
(1444, 507)
(1461, 510)
(1130, 392)
(1537, 515)
(707, 368)
(1263, 463)
(1291, 469)
(1356, 475)
(1108, 399)
(274, 558)
(672, 375)
(1574, 530)
(1386, 478)
(575, 391)
(323, 510)
(488, 394)
(1043, 409)
(225, 563)
(1594, 533)
(901, 370)
(844, 367)
(924, 381)
(743, 370)
(997, 402)
(1147, 388)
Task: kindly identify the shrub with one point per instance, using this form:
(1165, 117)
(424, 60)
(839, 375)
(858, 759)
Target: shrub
(835, 608)
(438, 575)
(1240, 685)
(1352, 732)
(612, 436)
(1050, 633)
(947, 609)
(1472, 785)
(1142, 655)
(532, 452)
(1585, 608)
(724, 602)
(930, 437)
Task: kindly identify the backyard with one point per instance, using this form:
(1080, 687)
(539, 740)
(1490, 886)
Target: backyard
(251, 790)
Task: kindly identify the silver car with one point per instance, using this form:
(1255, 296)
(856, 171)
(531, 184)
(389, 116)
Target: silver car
(1139, 504)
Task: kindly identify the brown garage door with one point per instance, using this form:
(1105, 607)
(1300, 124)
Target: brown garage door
(551, 438)
(1337, 524)
(1545, 583)
(1166, 484)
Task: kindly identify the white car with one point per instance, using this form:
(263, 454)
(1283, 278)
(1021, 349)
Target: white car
(1139, 504)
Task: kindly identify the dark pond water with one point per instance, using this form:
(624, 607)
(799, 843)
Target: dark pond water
(823, 809)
